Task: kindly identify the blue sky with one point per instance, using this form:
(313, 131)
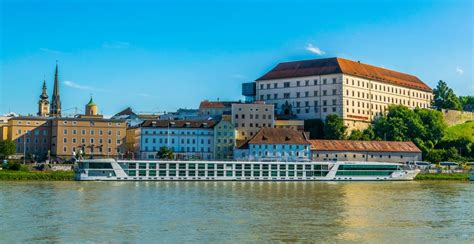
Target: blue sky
(163, 55)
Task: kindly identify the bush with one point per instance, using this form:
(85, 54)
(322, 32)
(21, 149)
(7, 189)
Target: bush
(13, 166)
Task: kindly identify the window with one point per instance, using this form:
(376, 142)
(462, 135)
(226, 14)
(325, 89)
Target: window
(286, 95)
(286, 84)
(333, 91)
(297, 83)
(297, 94)
(334, 80)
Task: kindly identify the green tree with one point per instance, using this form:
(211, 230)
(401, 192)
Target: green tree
(315, 128)
(444, 97)
(355, 135)
(7, 148)
(467, 103)
(334, 127)
(424, 127)
(165, 153)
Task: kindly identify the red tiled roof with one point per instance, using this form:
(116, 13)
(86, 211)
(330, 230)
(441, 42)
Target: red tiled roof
(178, 123)
(215, 104)
(278, 136)
(339, 65)
(374, 146)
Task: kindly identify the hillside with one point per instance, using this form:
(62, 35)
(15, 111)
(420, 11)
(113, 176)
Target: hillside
(465, 130)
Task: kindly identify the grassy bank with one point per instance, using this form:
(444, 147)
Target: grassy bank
(36, 175)
(434, 176)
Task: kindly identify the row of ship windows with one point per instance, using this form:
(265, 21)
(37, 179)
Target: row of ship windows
(228, 173)
(193, 166)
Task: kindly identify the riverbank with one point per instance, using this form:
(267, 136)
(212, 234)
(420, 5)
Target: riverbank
(37, 175)
(434, 176)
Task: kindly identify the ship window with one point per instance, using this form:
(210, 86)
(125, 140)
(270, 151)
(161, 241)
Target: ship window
(220, 173)
(201, 166)
(132, 173)
(152, 166)
(265, 173)
(142, 173)
(274, 173)
(132, 166)
(202, 173)
(220, 166)
(192, 173)
(182, 166)
(152, 173)
(228, 173)
(182, 173)
(210, 166)
(142, 165)
(162, 172)
(247, 166)
(282, 173)
(162, 166)
(238, 173)
(172, 166)
(192, 166)
(210, 173)
(172, 172)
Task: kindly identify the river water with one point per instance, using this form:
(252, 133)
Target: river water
(236, 211)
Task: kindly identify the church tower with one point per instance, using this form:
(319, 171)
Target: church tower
(55, 99)
(91, 108)
(43, 103)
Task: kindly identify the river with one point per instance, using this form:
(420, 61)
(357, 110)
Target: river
(236, 211)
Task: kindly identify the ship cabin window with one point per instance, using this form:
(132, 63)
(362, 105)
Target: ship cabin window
(142, 165)
(162, 166)
(132, 166)
(152, 166)
(192, 166)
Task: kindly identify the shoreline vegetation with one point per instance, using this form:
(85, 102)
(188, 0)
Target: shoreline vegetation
(36, 175)
(13, 175)
(450, 176)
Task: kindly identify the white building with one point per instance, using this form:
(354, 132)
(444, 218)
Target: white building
(278, 144)
(187, 139)
(357, 92)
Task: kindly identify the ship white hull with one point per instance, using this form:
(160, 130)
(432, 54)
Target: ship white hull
(238, 171)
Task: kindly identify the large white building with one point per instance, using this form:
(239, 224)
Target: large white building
(357, 92)
(187, 139)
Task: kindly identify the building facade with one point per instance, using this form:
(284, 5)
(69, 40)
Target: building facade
(276, 144)
(31, 135)
(248, 118)
(371, 151)
(187, 139)
(357, 92)
(94, 136)
(224, 140)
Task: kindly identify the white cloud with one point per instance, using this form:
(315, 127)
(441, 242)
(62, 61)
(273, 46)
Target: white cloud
(459, 71)
(47, 50)
(115, 44)
(77, 86)
(314, 49)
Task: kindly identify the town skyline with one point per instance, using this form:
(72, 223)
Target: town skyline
(129, 60)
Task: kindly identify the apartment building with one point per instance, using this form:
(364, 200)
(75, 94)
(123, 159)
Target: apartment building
(31, 135)
(248, 118)
(357, 92)
(187, 139)
(93, 135)
(280, 144)
(224, 140)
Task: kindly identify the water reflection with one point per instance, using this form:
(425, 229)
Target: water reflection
(236, 211)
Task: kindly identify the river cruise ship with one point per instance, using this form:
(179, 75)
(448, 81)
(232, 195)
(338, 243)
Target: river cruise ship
(136, 170)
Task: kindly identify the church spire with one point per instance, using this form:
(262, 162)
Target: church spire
(43, 103)
(55, 99)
